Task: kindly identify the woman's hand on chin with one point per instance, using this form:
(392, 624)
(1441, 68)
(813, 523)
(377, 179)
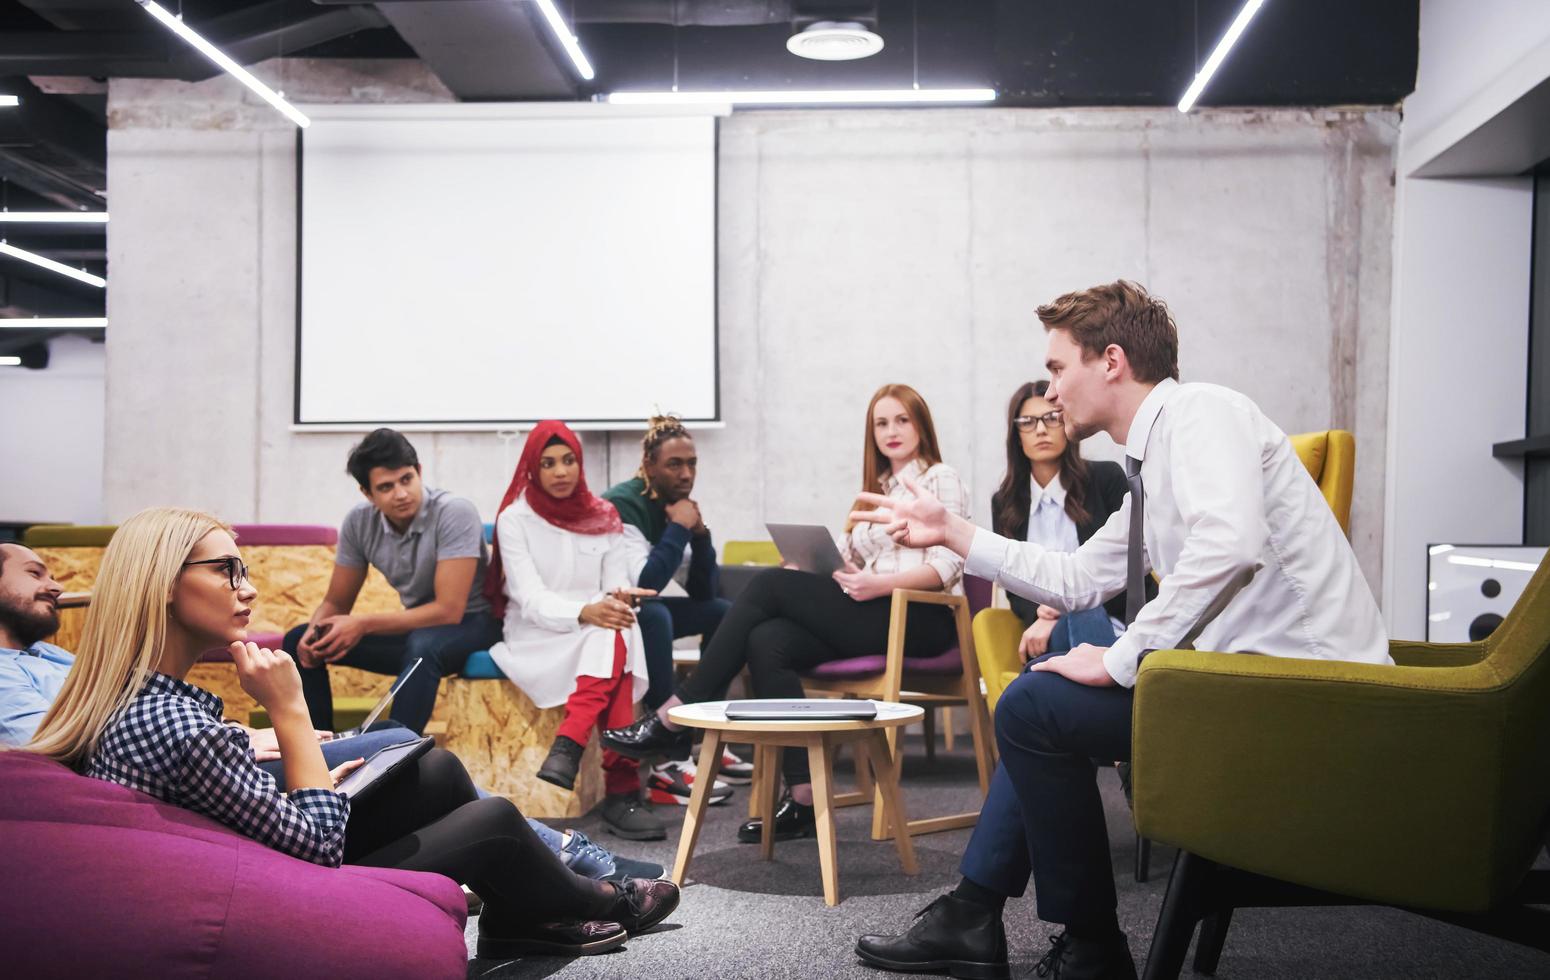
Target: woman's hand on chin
(268, 676)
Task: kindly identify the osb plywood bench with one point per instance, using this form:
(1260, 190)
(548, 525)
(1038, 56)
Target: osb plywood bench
(500, 735)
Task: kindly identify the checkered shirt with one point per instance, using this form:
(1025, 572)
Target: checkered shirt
(873, 550)
(170, 742)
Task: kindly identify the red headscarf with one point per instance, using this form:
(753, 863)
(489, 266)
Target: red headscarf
(582, 512)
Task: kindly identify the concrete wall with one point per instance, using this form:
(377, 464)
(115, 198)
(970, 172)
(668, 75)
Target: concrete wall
(51, 438)
(856, 248)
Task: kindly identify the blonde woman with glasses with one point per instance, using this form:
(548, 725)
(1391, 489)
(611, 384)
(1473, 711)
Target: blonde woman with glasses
(172, 585)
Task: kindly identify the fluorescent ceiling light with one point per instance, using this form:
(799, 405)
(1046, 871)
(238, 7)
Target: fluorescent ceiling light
(54, 217)
(10, 100)
(52, 322)
(10, 360)
(269, 95)
(568, 41)
(902, 96)
(51, 265)
(1220, 54)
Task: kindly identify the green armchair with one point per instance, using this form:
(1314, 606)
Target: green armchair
(1306, 782)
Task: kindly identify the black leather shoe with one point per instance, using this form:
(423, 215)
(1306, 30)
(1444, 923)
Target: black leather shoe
(792, 820)
(1070, 958)
(643, 902)
(952, 936)
(648, 737)
(550, 939)
(563, 761)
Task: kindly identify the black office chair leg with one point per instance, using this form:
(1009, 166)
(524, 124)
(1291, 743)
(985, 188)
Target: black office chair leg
(1143, 859)
(1187, 896)
(1213, 934)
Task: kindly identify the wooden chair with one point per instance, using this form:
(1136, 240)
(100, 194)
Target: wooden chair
(950, 678)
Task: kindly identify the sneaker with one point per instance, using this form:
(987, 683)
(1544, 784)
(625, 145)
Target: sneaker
(586, 858)
(672, 782)
(734, 770)
(631, 868)
(563, 761)
(625, 816)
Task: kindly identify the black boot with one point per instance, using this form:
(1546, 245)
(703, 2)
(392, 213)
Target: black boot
(792, 820)
(648, 737)
(952, 936)
(563, 761)
(1073, 958)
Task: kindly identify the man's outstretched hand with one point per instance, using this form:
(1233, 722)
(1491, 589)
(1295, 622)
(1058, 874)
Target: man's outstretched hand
(918, 523)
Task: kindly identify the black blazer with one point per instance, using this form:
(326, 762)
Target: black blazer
(1109, 489)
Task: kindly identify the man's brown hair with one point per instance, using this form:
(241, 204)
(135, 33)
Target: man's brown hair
(1121, 313)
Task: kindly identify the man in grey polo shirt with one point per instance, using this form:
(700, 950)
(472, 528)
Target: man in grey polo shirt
(430, 546)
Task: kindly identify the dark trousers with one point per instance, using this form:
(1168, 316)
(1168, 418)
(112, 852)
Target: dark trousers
(443, 650)
(1049, 731)
(428, 817)
(664, 620)
(786, 622)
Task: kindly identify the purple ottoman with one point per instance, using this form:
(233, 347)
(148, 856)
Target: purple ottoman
(103, 881)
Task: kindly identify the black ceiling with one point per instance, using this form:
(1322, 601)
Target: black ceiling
(1048, 53)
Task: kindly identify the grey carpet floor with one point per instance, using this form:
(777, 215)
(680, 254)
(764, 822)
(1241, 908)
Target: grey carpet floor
(742, 917)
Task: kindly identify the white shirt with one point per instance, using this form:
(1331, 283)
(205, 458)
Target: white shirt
(872, 549)
(1251, 557)
(1048, 522)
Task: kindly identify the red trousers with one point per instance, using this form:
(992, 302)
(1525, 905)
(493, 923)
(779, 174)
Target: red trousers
(606, 702)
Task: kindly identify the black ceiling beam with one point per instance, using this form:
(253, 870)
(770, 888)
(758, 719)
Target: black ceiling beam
(273, 29)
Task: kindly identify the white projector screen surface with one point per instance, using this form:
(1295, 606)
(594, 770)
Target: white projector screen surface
(482, 266)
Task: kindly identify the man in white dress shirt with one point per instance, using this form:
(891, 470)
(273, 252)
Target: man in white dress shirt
(1251, 560)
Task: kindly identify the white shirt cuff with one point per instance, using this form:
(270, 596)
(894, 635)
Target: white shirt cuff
(987, 555)
(1122, 661)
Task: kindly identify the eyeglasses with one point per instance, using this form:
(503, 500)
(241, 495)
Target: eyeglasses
(235, 568)
(1051, 420)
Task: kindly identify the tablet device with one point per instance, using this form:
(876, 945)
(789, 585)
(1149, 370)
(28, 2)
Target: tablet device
(381, 705)
(381, 765)
(807, 546)
(805, 709)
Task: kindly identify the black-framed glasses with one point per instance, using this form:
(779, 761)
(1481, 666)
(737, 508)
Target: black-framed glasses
(235, 568)
(1051, 420)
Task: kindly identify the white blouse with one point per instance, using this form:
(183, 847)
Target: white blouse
(871, 549)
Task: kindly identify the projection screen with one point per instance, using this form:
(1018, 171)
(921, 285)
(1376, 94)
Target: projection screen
(477, 266)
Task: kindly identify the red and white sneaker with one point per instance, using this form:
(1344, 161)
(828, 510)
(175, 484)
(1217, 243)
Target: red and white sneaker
(672, 782)
(734, 770)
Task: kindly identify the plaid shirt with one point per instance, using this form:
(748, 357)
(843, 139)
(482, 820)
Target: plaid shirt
(871, 548)
(170, 742)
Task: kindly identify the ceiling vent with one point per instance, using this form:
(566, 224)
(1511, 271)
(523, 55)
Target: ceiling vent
(834, 40)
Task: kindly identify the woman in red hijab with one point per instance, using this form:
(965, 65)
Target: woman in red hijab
(560, 582)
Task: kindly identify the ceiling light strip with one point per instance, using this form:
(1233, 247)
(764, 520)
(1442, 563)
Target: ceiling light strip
(10, 360)
(54, 217)
(233, 69)
(53, 322)
(1239, 24)
(903, 96)
(568, 41)
(10, 100)
(51, 265)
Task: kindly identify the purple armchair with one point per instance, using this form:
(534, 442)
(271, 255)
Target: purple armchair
(102, 880)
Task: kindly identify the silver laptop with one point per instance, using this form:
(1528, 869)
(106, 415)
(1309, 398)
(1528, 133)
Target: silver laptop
(809, 547)
(381, 706)
(804, 709)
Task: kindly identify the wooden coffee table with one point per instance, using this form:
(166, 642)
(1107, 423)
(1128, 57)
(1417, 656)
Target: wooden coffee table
(820, 738)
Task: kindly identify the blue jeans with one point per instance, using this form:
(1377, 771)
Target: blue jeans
(664, 620)
(1043, 815)
(1074, 629)
(443, 650)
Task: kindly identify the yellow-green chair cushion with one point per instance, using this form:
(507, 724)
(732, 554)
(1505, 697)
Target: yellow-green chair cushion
(750, 553)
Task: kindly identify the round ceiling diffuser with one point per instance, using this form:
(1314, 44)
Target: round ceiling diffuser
(834, 40)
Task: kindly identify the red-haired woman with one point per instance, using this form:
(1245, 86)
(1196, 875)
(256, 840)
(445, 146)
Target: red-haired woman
(788, 621)
(559, 579)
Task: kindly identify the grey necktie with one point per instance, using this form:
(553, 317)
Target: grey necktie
(1135, 570)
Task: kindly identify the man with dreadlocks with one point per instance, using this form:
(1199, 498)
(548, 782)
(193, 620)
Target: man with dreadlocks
(661, 522)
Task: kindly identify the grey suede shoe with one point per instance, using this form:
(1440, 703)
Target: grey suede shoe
(626, 816)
